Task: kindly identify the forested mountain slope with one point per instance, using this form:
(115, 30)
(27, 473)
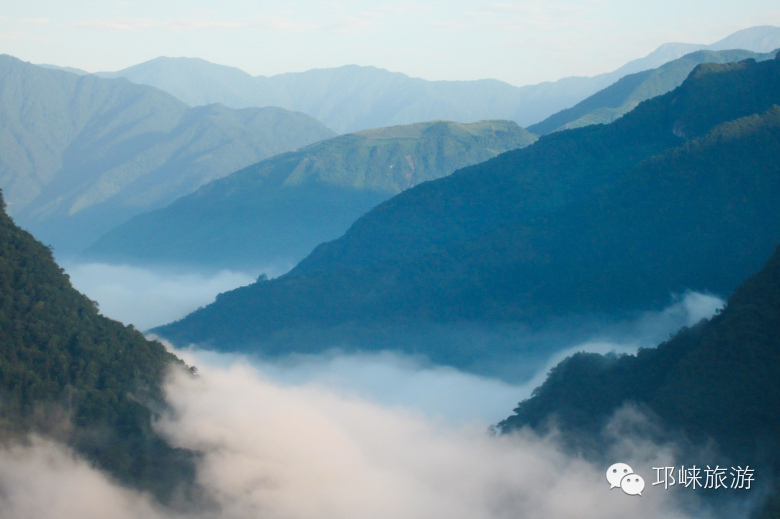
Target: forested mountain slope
(716, 381)
(275, 212)
(678, 194)
(719, 379)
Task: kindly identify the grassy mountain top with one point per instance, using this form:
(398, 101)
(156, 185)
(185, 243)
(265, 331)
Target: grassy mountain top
(396, 158)
(479, 128)
(69, 373)
(275, 212)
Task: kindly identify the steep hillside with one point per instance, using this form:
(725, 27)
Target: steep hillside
(81, 154)
(68, 373)
(275, 212)
(604, 219)
(624, 95)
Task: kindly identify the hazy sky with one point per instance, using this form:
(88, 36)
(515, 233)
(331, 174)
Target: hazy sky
(521, 42)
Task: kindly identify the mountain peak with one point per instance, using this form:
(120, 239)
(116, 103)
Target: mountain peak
(762, 38)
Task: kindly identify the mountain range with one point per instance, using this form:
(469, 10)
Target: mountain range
(82, 154)
(583, 222)
(242, 223)
(353, 98)
(275, 212)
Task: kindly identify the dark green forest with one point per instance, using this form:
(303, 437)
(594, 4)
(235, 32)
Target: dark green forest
(68, 373)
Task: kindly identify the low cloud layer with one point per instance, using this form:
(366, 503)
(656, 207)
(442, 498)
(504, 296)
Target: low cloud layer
(456, 397)
(305, 451)
(391, 380)
(368, 435)
(296, 452)
(148, 298)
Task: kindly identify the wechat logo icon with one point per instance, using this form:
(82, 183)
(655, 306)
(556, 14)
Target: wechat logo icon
(622, 476)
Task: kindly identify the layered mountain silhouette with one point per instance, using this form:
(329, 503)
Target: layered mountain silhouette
(678, 194)
(274, 213)
(69, 374)
(82, 154)
(353, 98)
(624, 95)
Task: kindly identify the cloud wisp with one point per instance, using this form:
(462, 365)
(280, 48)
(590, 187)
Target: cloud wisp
(148, 298)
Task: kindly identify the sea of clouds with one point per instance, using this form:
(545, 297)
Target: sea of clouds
(378, 435)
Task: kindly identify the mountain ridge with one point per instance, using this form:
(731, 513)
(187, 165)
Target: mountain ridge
(277, 211)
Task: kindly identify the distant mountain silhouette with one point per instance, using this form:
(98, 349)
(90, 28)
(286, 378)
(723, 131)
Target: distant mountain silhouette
(352, 98)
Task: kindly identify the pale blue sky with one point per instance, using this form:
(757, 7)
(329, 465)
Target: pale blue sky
(520, 41)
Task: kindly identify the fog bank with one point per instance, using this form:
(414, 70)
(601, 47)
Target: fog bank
(377, 435)
(298, 452)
